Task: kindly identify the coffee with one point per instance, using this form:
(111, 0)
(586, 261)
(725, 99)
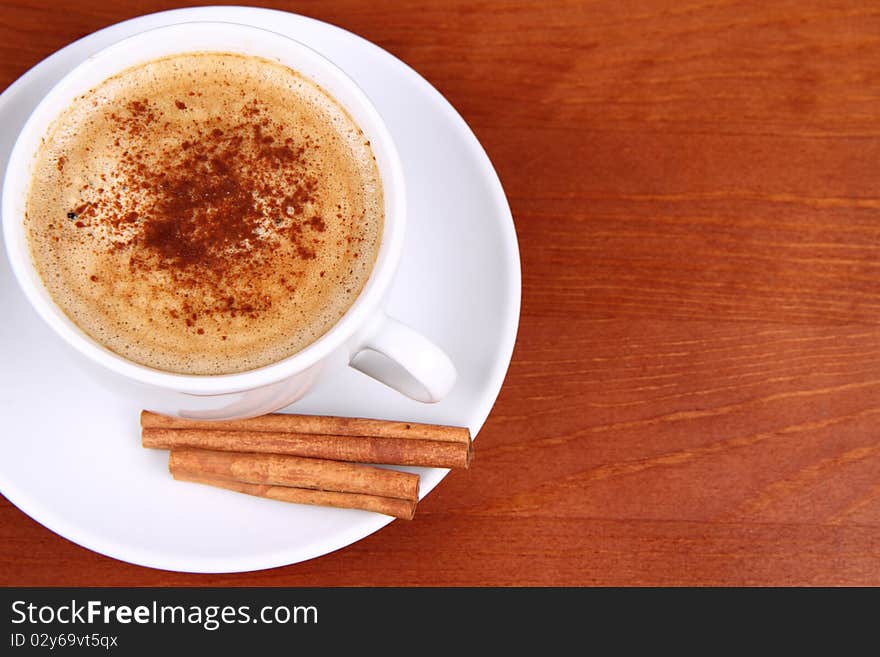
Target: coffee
(205, 213)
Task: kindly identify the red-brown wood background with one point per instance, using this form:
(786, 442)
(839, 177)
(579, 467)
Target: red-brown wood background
(695, 393)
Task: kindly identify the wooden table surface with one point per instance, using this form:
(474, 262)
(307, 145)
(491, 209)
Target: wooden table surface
(694, 398)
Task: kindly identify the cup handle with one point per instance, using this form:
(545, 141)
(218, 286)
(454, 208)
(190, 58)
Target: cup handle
(403, 359)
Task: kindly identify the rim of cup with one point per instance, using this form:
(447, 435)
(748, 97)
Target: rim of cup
(183, 38)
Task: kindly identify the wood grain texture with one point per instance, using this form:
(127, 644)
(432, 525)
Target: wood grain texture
(695, 393)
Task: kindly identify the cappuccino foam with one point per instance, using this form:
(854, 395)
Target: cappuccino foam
(205, 213)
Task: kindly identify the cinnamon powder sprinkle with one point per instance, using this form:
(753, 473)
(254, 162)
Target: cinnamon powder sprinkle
(208, 201)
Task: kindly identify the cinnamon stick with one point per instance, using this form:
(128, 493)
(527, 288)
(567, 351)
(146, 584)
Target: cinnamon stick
(315, 425)
(357, 449)
(293, 471)
(390, 506)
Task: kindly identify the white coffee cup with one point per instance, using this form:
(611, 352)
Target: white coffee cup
(365, 337)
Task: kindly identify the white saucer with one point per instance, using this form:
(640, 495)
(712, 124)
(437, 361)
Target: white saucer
(70, 455)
